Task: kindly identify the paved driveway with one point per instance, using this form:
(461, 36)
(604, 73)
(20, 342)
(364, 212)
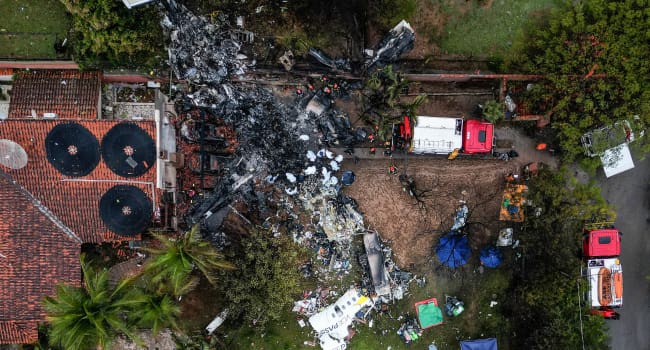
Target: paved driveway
(629, 192)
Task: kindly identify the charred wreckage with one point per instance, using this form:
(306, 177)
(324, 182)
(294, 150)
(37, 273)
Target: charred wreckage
(281, 159)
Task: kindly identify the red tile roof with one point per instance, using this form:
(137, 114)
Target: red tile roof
(36, 255)
(75, 201)
(18, 332)
(70, 94)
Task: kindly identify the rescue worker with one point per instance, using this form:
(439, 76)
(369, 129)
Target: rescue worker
(392, 169)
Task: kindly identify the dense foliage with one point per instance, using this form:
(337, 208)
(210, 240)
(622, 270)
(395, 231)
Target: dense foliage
(594, 56)
(267, 277)
(92, 315)
(545, 309)
(493, 111)
(109, 34)
(382, 103)
(171, 266)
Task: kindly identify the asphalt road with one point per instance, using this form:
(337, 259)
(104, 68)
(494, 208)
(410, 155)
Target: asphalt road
(629, 192)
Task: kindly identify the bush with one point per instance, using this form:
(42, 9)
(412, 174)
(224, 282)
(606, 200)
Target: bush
(109, 34)
(266, 280)
(493, 111)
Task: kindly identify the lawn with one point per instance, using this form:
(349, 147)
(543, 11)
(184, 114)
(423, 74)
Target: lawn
(29, 29)
(489, 28)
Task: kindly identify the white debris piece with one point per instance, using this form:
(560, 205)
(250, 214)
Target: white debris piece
(311, 156)
(310, 170)
(326, 176)
(334, 165)
(332, 323)
(217, 321)
(291, 191)
(271, 179)
(339, 158)
(291, 177)
(321, 153)
(304, 137)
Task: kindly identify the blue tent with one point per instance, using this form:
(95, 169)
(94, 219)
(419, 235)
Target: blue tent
(479, 344)
(453, 250)
(491, 256)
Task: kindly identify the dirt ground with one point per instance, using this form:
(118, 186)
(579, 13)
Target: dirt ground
(413, 228)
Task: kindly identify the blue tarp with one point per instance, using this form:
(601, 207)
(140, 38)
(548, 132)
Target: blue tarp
(479, 344)
(453, 250)
(491, 257)
(348, 178)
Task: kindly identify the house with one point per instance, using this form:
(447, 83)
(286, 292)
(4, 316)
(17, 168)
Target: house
(67, 178)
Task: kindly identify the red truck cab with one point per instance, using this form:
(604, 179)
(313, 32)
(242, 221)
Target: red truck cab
(478, 137)
(602, 243)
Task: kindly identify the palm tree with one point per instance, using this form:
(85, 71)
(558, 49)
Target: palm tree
(84, 318)
(157, 312)
(382, 102)
(171, 266)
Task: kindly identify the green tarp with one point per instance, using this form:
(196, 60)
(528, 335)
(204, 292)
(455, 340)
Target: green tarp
(429, 314)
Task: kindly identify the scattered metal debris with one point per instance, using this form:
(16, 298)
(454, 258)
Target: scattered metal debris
(275, 158)
(399, 40)
(341, 64)
(200, 51)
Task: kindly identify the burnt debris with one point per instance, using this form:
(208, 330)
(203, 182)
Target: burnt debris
(200, 51)
(399, 40)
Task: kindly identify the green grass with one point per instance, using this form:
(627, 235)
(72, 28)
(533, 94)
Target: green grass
(487, 31)
(29, 29)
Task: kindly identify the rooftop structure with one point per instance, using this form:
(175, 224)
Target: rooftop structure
(66, 94)
(66, 178)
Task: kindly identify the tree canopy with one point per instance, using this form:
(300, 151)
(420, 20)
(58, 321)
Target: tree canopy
(107, 32)
(547, 285)
(90, 316)
(594, 57)
(172, 264)
(267, 277)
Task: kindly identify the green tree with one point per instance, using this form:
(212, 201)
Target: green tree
(382, 103)
(493, 111)
(593, 55)
(171, 266)
(157, 312)
(546, 288)
(267, 278)
(90, 316)
(106, 32)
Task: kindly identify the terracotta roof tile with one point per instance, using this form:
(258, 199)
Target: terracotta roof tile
(70, 94)
(21, 332)
(73, 200)
(36, 255)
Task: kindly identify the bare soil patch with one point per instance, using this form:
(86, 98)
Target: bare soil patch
(412, 229)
